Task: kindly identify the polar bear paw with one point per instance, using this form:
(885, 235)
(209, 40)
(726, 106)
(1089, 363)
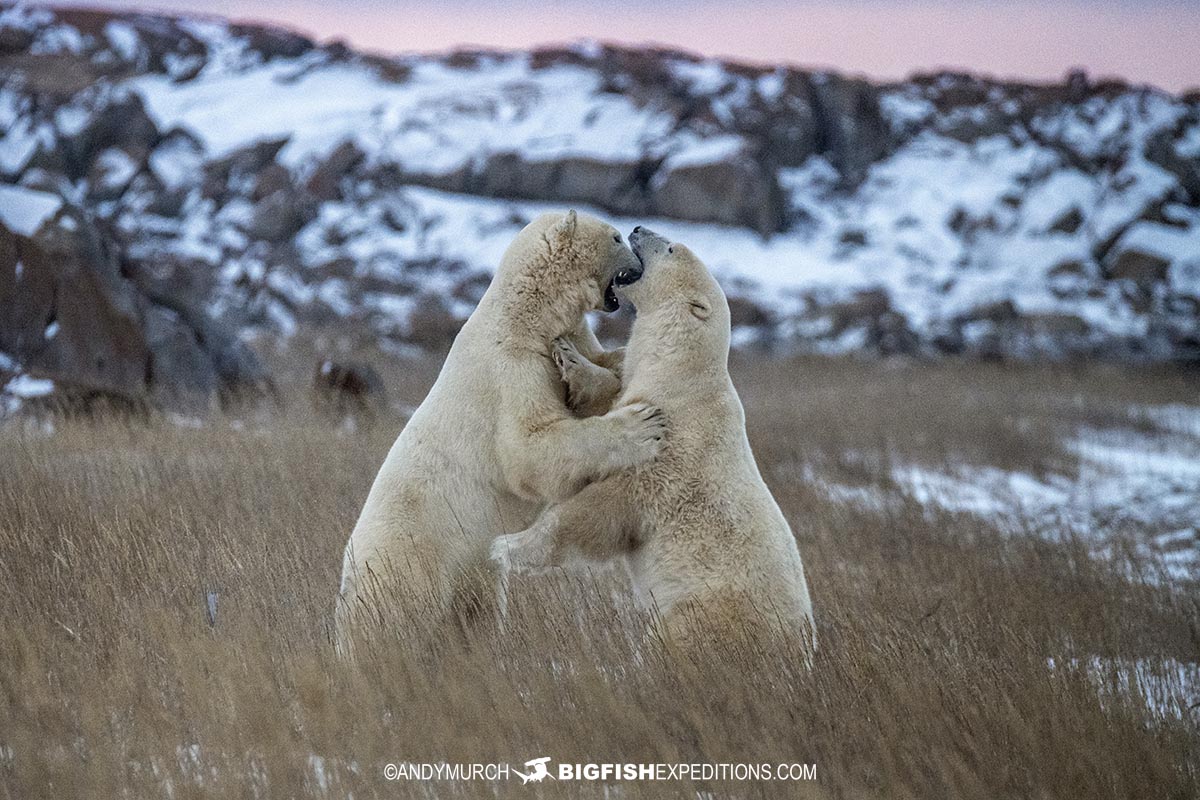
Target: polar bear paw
(526, 551)
(641, 429)
(566, 357)
(591, 388)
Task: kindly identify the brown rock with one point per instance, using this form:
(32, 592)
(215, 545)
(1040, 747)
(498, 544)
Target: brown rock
(243, 163)
(432, 324)
(745, 312)
(271, 179)
(75, 318)
(999, 311)
(1137, 265)
(180, 373)
(736, 191)
(71, 314)
(608, 184)
(1068, 222)
(273, 42)
(850, 124)
(324, 183)
(122, 124)
(281, 216)
(1160, 149)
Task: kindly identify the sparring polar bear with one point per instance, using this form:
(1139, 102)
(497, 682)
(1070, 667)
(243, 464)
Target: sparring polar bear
(493, 442)
(705, 542)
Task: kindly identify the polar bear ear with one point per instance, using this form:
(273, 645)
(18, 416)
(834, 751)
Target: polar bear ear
(700, 309)
(564, 229)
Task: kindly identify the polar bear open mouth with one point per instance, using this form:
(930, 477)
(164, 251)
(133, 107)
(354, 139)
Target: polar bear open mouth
(623, 277)
(611, 303)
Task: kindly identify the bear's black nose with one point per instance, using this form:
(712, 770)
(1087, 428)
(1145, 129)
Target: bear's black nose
(637, 228)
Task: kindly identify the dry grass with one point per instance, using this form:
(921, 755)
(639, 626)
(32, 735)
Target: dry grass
(932, 679)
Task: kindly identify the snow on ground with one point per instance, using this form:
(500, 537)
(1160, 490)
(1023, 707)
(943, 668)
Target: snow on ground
(1169, 687)
(124, 39)
(943, 226)
(1133, 489)
(26, 386)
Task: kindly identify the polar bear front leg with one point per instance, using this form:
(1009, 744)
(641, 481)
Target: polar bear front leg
(547, 454)
(549, 459)
(591, 389)
(584, 340)
(596, 525)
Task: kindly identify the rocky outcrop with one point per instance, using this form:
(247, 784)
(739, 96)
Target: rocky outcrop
(1137, 265)
(73, 317)
(1145, 252)
(850, 127)
(734, 190)
(1166, 150)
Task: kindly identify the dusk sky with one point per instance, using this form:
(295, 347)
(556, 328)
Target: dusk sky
(1155, 41)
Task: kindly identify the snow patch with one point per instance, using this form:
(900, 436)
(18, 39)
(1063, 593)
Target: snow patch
(1188, 145)
(175, 163)
(124, 40)
(703, 152)
(116, 168)
(17, 147)
(1166, 241)
(437, 120)
(904, 108)
(703, 77)
(25, 211)
(26, 387)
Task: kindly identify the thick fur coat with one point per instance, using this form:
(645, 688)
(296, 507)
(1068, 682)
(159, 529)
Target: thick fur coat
(493, 442)
(705, 542)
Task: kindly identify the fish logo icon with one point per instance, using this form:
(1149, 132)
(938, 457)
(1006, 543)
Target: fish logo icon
(537, 770)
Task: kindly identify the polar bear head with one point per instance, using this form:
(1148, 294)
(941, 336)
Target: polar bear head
(673, 287)
(559, 267)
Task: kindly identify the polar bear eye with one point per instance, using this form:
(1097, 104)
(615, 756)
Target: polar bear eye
(617, 238)
(671, 250)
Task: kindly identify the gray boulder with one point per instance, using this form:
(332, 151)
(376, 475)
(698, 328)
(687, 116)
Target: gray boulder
(734, 190)
(180, 372)
(68, 314)
(1142, 254)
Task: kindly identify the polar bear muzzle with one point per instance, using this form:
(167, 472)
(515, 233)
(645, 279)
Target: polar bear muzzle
(646, 244)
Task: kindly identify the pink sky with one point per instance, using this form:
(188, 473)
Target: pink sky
(1157, 41)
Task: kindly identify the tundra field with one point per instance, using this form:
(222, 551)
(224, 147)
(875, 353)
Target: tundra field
(1002, 561)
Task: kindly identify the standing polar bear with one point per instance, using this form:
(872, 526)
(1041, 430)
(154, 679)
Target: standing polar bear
(493, 441)
(706, 545)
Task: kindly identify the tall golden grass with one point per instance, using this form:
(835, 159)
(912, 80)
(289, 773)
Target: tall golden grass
(937, 631)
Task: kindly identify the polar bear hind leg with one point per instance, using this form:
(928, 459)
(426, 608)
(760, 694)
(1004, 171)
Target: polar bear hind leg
(574, 530)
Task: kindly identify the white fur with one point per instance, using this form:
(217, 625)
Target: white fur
(493, 441)
(704, 540)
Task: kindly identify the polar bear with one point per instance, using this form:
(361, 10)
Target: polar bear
(705, 542)
(493, 442)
